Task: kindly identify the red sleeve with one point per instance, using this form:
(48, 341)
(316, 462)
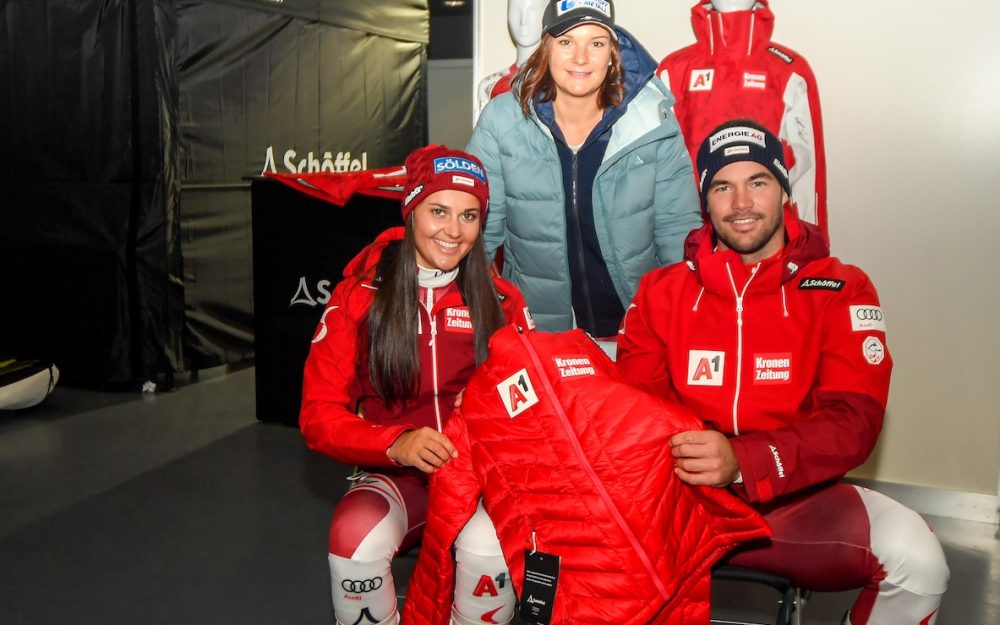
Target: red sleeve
(847, 403)
(642, 355)
(454, 494)
(330, 390)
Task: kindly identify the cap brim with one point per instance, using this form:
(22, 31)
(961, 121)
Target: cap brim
(561, 28)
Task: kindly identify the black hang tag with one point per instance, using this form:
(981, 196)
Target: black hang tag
(541, 573)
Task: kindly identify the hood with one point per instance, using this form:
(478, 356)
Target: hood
(732, 32)
(363, 265)
(638, 63)
(805, 245)
(639, 67)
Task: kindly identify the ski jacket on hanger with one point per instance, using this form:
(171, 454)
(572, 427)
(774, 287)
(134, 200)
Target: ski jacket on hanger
(572, 461)
(341, 415)
(735, 71)
(789, 356)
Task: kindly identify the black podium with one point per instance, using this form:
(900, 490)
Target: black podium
(300, 248)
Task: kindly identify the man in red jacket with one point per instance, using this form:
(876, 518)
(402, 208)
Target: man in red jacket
(781, 349)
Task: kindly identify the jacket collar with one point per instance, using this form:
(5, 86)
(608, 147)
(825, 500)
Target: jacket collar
(732, 33)
(804, 244)
(639, 66)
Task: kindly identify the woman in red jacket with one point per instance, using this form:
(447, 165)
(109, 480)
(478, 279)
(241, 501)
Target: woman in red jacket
(396, 344)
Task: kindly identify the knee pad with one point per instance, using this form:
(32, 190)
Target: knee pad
(369, 523)
(906, 547)
(483, 590)
(364, 593)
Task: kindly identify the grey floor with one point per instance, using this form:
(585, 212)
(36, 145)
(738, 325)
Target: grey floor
(181, 508)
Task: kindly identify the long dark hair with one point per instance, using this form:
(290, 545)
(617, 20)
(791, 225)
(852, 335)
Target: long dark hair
(392, 352)
(534, 79)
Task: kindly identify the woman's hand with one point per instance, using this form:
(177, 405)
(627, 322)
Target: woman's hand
(426, 449)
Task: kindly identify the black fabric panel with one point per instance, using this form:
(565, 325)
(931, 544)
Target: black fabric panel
(300, 248)
(259, 91)
(128, 129)
(405, 20)
(82, 181)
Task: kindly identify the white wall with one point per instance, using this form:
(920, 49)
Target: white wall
(449, 113)
(910, 93)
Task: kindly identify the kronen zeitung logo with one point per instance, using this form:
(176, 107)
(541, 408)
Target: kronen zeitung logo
(573, 366)
(310, 164)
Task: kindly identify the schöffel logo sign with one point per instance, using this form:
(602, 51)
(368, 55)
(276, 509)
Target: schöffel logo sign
(460, 165)
(311, 164)
(821, 284)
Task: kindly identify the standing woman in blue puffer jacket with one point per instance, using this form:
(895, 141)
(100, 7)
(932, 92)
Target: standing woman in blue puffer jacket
(591, 185)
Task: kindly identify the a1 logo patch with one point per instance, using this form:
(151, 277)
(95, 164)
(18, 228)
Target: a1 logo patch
(517, 393)
(705, 368)
(701, 80)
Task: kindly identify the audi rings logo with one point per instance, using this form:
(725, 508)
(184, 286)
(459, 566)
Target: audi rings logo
(363, 585)
(868, 314)
(866, 318)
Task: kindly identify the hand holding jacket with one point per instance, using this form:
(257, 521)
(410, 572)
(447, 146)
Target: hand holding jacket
(424, 448)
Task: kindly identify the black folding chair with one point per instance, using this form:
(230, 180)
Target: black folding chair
(792, 598)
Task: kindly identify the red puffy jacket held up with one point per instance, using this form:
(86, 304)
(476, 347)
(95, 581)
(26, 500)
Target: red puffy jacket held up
(573, 462)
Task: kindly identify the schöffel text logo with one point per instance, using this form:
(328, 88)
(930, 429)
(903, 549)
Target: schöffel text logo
(598, 5)
(310, 164)
(458, 164)
(417, 190)
(780, 54)
(780, 167)
(821, 284)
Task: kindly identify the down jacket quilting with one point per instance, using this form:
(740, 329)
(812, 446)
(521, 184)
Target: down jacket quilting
(573, 462)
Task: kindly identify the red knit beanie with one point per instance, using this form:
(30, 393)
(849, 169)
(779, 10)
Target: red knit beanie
(436, 168)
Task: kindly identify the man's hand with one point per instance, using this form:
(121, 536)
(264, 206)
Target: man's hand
(426, 449)
(704, 458)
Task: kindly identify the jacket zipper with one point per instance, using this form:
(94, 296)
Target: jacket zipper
(739, 340)
(589, 470)
(584, 286)
(432, 321)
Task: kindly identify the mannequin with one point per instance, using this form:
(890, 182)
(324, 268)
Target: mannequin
(524, 21)
(726, 6)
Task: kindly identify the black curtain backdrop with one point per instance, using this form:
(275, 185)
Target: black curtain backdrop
(128, 129)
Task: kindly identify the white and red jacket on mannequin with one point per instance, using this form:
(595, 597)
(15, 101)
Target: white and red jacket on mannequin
(572, 461)
(336, 387)
(788, 356)
(495, 84)
(736, 71)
